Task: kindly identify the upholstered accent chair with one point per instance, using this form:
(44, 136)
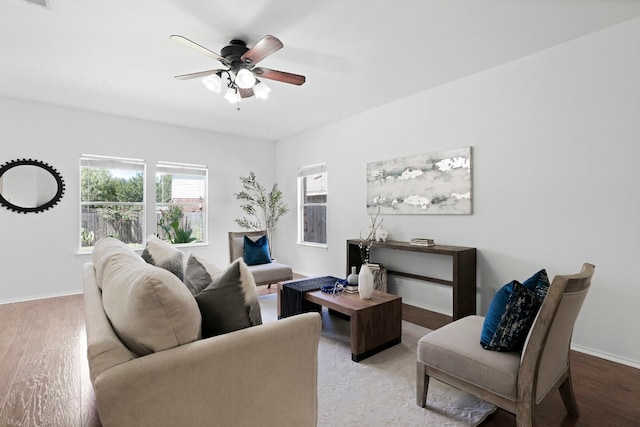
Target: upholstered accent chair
(513, 381)
(263, 274)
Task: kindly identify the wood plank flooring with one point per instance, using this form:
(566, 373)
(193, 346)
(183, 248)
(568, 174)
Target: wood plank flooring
(43, 368)
(44, 378)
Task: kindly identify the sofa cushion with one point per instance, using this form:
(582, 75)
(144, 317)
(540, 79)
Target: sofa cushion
(161, 254)
(199, 273)
(108, 249)
(256, 252)
(229, 302)
(510, 316)
(149, 308)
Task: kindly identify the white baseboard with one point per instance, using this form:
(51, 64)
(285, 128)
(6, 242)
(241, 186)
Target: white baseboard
(42, 296)
(607, 356)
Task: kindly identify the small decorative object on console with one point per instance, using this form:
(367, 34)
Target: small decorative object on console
(352, 279)
(419, 241)
(381, 234)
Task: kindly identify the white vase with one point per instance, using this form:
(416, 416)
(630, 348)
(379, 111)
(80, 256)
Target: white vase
(365, 282)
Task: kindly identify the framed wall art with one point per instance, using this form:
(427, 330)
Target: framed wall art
(433, 183)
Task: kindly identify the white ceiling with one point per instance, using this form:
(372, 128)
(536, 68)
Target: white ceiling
(115, 56)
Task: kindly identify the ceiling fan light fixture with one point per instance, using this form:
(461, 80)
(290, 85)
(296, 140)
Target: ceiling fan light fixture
(261, 90)
(232, 95)
(213, 82)
(245, 79)
(240, 75)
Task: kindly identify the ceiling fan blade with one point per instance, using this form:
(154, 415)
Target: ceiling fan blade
(281, 76)
(262, 49)
(196, 75)
(245, 93)
(195, 46)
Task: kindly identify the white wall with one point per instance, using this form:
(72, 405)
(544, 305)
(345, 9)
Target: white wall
(38, 251)
(555, 145)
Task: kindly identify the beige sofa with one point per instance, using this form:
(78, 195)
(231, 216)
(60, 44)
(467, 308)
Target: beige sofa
(263, 375)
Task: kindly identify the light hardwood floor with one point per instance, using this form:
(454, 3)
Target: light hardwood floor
(44, 378)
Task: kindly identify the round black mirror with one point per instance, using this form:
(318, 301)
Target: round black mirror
(29, 186)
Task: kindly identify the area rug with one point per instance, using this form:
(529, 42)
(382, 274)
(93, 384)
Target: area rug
(380, 390)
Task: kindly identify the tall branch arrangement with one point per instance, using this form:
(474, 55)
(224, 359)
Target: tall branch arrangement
(262, 210)
(365, 244)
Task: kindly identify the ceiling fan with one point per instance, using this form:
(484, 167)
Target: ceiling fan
(241, 76)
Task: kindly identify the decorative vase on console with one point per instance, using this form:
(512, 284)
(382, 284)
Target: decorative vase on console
(352, 279)
(365, 282)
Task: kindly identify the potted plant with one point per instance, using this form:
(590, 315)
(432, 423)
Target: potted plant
(262, 210)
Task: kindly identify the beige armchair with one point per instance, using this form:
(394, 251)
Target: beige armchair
(263, 274)
(513, 381)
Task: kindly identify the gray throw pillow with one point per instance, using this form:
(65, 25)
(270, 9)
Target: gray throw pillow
(230, 302)
(199, 274)
(163, 255)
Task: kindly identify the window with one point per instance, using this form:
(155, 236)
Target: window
(312, 204)
(181, 202)
(112, 201)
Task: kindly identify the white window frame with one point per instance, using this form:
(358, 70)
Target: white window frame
(177, 169)
(112, 163)
(305, 172)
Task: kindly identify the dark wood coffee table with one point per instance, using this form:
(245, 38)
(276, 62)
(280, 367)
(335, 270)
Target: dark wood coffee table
(376, 324)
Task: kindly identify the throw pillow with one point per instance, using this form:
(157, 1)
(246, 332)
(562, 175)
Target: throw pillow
(199, 274)
(108, 249)
(163, 255)
(230, 302)
(256, 252)
(539, 283)
(149, 308)
(510, 316)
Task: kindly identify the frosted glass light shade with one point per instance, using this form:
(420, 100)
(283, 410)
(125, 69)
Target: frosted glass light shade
(261, 91)
(245, 79)
(232, 96)
(213, 82)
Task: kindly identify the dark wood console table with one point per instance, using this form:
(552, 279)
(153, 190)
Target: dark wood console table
(464, 270)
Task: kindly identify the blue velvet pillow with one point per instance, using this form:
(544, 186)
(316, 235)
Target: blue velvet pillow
(499, 317)
(538, 283)
(256, 252)
(510, 316)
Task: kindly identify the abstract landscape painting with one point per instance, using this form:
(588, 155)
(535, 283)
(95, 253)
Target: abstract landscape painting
(434, 183)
